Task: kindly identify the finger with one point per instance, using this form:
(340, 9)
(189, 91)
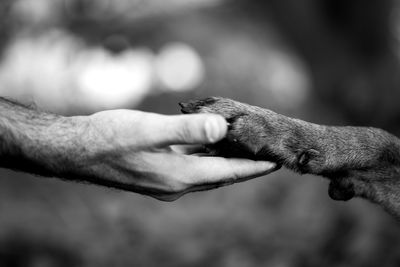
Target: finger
(189, 129)
(207, 187)
(216, 170)
(188, 149)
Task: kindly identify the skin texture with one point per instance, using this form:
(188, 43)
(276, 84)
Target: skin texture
(358, 161)
(151, 154)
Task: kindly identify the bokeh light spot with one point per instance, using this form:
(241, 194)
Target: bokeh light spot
(116, 81)
(179, 67)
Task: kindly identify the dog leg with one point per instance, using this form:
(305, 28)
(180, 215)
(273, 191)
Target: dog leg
(359, 161)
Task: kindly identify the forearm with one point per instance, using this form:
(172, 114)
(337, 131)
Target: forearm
(360, 149)
(340, 149)
(71, 148)
(359, 161)
(366, 161)
(38, 142)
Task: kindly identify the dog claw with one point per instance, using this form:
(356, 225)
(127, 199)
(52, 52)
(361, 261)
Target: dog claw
(185, 107)
(182, 104)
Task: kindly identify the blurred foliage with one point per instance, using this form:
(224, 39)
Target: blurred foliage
(327, 61)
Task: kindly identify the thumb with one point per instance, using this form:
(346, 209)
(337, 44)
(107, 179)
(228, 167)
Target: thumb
(192, 129)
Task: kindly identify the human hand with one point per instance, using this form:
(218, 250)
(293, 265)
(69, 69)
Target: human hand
(158, 155)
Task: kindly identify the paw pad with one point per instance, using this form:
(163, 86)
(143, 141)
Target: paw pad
(341, 190)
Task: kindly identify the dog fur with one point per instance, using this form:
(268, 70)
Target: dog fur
(358, 161)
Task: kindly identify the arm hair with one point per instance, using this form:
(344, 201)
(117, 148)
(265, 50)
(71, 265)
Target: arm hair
(41, 143)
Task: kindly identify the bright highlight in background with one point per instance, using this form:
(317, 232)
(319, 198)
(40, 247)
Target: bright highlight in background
(59, 73)
(179, 67)
(115, 81)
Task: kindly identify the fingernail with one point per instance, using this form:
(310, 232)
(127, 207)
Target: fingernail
(213, 130)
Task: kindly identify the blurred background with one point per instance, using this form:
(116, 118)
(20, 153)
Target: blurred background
(326, 61)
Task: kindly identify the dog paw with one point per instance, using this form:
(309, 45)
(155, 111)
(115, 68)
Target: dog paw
(258, 133)
(246, 133)
(246, 128)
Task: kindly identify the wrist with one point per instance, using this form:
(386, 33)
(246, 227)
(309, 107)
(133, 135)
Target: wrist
(80, 151)
(55, 146)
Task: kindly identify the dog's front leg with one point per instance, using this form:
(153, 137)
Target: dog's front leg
(359, 161)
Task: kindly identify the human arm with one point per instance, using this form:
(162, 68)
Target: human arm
(125, 149)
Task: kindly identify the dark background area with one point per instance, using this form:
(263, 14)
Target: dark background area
(326, 61)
